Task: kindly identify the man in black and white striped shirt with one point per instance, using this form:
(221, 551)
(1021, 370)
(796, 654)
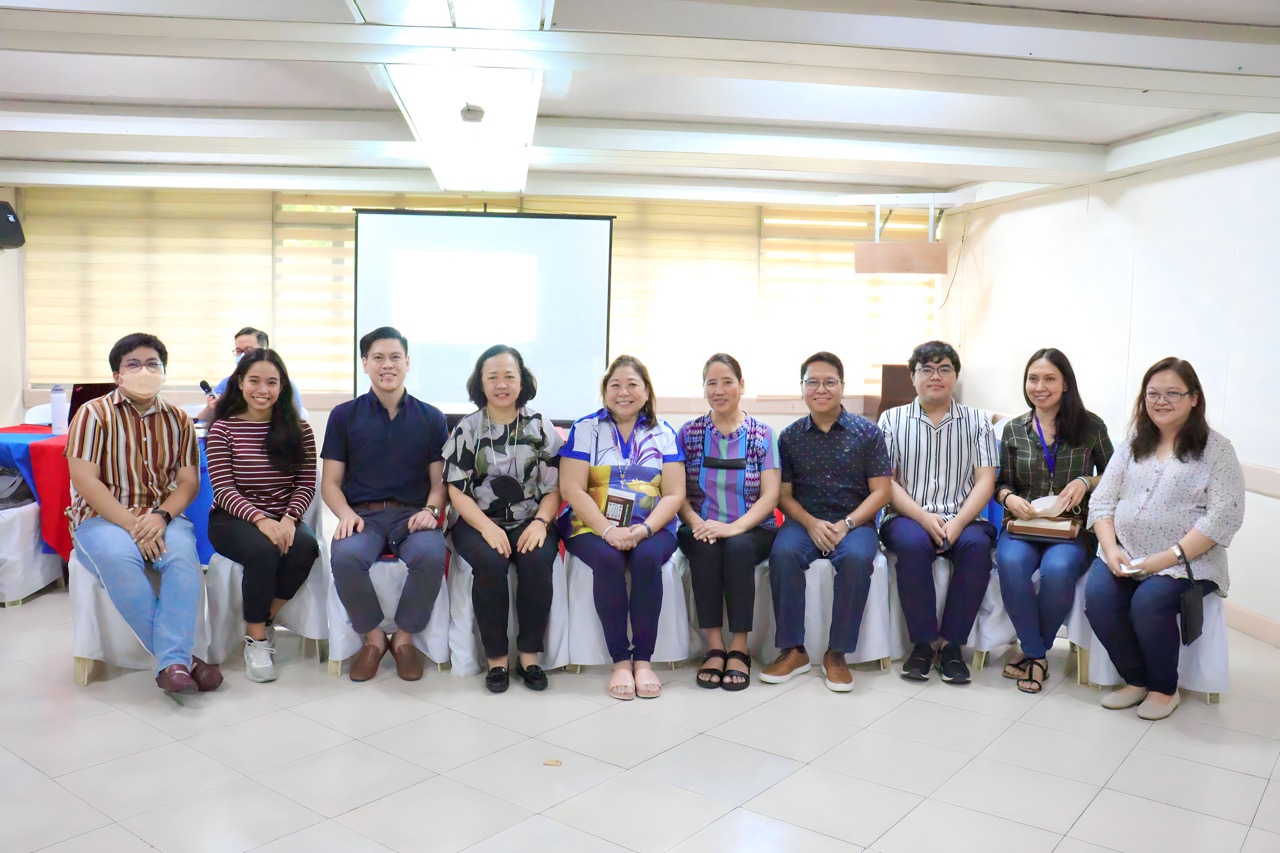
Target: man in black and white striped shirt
(944, 458)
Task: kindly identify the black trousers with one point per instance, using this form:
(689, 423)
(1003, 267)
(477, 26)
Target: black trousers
(724, 575)
(268, 574)
(489, 592)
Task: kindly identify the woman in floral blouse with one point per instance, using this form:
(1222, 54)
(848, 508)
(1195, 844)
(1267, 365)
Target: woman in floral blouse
(1166, 510)
(501, 468)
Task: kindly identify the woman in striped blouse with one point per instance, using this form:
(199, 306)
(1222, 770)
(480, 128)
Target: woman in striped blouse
(262, 464)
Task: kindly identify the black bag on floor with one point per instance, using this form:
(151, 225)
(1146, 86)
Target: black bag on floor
(14, 490)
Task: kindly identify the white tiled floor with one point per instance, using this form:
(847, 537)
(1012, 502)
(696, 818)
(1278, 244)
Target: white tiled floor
(316, 764)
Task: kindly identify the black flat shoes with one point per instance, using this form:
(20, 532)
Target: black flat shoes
(534, 678)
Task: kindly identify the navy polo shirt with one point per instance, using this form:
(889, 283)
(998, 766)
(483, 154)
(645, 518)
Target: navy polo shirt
(386, 459)
(828, 471)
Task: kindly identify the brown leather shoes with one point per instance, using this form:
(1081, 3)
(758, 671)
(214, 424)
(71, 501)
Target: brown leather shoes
(175, 678)
(207, 676)
(836, 672)
(793, 661)
(409, 661)
(365, 664)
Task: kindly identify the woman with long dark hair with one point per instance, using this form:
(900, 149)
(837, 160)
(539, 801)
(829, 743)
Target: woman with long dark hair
(1164, 514)
(501, 466)
(262, 465)
(1057, 448)
(622, 472)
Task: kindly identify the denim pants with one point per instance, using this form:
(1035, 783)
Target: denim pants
(792, 553)
(423, 552)
(165, 623)
(613, 605)
(1037, 617)
(970, 557)
(1137, 623)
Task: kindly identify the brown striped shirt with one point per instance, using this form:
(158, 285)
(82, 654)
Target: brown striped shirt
(245, 483)
(138, 455)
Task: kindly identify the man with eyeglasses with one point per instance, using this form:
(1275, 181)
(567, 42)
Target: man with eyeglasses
(134, 468)
(835, 477)
(247, 340)
(384, 480)
(944, 459)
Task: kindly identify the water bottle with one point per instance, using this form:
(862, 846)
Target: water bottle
(59, 407)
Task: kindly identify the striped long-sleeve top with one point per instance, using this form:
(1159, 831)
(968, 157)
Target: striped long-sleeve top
(246, 484)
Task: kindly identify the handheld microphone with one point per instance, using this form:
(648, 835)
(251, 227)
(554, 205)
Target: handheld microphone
(206, 388)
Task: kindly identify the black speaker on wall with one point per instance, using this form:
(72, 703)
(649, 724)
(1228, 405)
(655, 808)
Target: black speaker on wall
(10, 228)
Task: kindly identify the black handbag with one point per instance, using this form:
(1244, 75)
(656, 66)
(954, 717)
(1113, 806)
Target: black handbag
(1192, 610)
(13, 489)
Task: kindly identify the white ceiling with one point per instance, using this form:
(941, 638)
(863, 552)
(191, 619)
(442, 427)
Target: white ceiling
(811, 101)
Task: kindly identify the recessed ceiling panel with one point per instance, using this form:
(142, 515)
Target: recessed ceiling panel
(326, 11)
(162, 81)
(766, 102)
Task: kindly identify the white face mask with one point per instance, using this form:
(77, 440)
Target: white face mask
(143, 384)
(236, 358)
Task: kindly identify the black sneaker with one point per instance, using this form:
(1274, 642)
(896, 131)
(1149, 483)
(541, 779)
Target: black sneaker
(951, 665)
(918, 663)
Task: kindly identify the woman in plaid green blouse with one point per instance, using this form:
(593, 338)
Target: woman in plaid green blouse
(1057, 448)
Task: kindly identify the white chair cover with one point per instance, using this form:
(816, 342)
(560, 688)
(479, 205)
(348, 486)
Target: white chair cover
(99, 632)
(992, 629)
(306, 614)
(23, 568)
(39, 414)
(875, 637)
(1203, 666)
(466, 652)
(388, 581)
(586, 636)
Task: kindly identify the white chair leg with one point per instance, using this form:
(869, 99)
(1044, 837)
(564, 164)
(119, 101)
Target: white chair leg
(979, 660)
(335, 667)
(84, 671)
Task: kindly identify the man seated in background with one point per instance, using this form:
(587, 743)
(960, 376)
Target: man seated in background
(134, 469)
(944, 460)
(247, 340)
(384, 480)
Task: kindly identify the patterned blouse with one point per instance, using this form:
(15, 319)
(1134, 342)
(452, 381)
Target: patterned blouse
(632, 468)
(507, 469)
(1153, 504)
(1025, 473)
(726, 492)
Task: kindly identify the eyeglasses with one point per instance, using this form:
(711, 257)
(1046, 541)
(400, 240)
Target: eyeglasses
(1173, 397)
(135, 366)
(828, 384)
(944, 372)
(245, 351)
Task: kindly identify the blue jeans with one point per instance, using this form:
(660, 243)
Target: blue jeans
(608, 569)
(792, 553)
(165, 623)
(1037, 618)
(970, 557)
(1137, 623)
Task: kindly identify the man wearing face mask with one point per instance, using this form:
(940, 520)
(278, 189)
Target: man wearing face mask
(247, 340)
(134, 467)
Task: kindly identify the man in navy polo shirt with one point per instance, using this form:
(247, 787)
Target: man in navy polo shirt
(836, 476)
(384, 480)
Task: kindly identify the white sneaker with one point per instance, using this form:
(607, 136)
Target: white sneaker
(258, 663)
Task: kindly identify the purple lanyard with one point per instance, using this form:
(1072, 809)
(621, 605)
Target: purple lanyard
(1050, 462)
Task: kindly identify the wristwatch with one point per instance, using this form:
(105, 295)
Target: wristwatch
(164, 513)
(848, 522)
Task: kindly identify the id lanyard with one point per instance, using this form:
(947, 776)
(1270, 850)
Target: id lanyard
(1050, 462)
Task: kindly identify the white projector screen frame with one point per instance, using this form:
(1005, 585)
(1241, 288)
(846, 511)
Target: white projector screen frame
(564, 260)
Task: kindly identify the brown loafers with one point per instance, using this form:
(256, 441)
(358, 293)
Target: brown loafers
(365, 664)
(409, 661)
(176, 679)
(207, 676)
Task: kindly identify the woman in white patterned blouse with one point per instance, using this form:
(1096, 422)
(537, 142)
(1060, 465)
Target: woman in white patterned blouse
(1169, 503)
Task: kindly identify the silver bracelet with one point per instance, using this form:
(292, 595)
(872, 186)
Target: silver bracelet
(607, 529)
(1085, 480)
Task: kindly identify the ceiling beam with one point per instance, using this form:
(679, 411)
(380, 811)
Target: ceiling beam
(910, 61)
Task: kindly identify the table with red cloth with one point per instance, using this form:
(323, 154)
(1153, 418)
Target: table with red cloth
(38, 455)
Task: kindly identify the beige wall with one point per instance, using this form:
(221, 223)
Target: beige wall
(1178, 261)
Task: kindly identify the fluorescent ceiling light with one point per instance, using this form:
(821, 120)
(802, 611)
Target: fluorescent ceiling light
(491, 155)
(824, 223)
